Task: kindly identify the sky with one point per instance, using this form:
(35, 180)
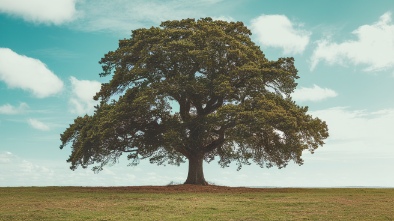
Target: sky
(343, 50)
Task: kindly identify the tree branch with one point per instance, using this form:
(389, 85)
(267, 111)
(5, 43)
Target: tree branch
(219, 103)
(184, 108)
(183, 151)
(216, 143)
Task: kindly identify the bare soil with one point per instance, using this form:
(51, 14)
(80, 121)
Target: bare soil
(188, 188)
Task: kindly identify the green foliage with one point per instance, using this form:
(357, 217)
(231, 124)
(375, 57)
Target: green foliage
(233, 103)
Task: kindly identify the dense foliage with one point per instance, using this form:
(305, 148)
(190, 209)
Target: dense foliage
(194, 90)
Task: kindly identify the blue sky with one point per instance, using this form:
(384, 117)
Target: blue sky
(344, 51)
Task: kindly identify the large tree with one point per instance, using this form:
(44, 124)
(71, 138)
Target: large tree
(194, 90)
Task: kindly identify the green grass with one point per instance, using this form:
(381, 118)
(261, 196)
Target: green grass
(200, 203)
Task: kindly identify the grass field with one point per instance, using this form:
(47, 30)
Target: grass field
(185, 202)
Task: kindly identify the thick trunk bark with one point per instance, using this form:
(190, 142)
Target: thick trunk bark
(196, 173)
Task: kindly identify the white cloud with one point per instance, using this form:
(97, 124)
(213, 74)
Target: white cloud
(360, 131)
(278, 31)
(20, 172)
(82, 95)
(9, 109)
(17, 171)
(359, 151)
(314, 93)
(40, 11)
(374, 47)
(124, 15)
(36, 124)
(19, 71)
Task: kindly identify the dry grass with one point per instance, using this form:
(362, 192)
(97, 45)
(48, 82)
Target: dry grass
(185, 202)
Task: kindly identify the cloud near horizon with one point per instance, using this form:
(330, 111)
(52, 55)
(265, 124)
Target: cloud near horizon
(40, 11)
(30, 74)
(17, 171)
(359, 131)
(373, 47)
(279, 32)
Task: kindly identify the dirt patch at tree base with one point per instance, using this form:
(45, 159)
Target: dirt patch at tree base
(189, 188)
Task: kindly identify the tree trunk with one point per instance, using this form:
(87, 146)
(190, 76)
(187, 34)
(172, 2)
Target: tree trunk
(196, 173)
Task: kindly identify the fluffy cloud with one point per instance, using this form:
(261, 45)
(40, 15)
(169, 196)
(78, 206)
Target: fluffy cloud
(9, 109)
(278, 31)
(373, 48)
(360, 131)
(82, 95)
(36, 124)
(40, 11)
(19, 71)
(314, 93)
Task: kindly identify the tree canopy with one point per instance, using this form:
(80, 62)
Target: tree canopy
(194, 90)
